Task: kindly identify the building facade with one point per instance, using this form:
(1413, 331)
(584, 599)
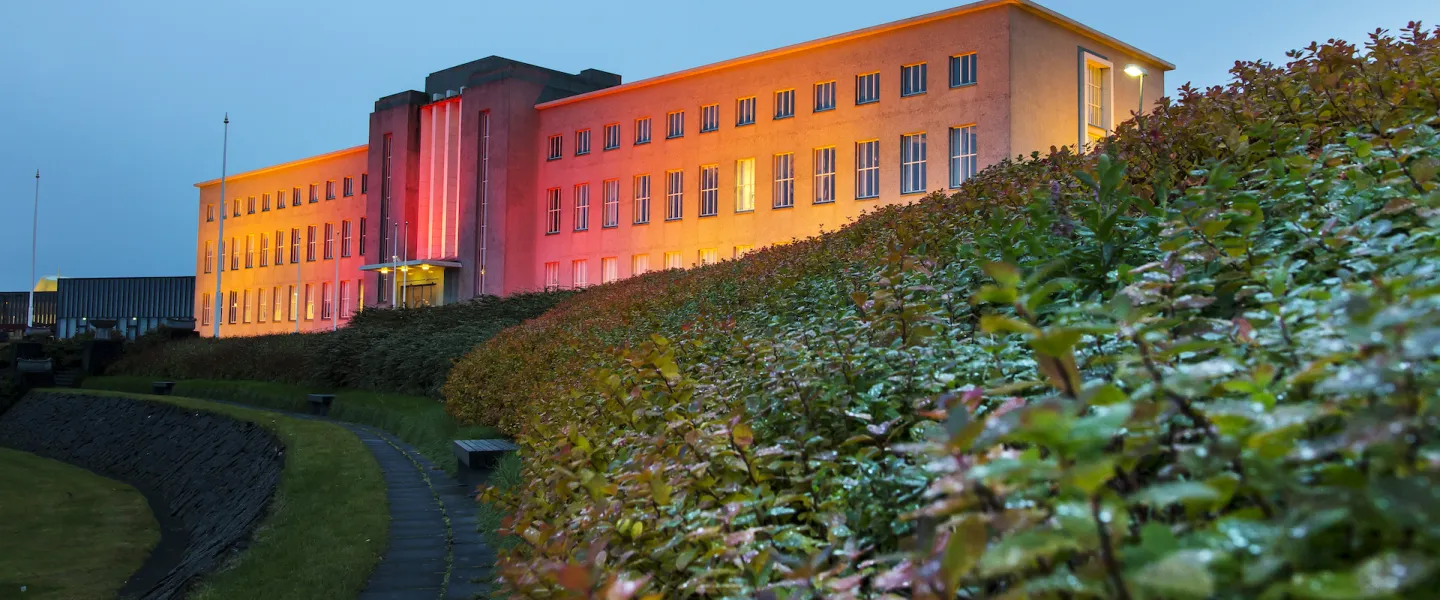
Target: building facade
(503, 177)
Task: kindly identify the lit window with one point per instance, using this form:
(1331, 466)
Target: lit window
(329, 241)
(642, 199)
(582, 207)
(309, 303)
(673, 260)
(610, 212)
(580, 273)
(709, 118)
(784, 181)
(642, 131)
(552, 275)
(745, 185)
(675, 124)
(913, 80)
(824, 175)
(912, 163)
(557, 147)
(345, 238)
(963, 70)
(349, 187)
(709, 256)
(745, 111)
(264, 249)
(867, 169)
(310, 243)
(784, 104)
(264, 202)
(330, 189)
(709, 190)
(867, 88)
(639, 264)
(612, 136)
(742, 250)
(294, 302)
(825, 96)
(209, 256)
(250, 206)
(674, 195)
(205, 307)
(609, 271)
(552, 210)
(1095, 116)
(582, 142)
(964, 154)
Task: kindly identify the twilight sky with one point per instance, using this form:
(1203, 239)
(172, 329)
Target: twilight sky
(119, 103)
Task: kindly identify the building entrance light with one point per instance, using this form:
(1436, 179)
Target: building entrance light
(424, 267)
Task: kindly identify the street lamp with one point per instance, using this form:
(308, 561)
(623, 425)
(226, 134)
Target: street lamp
(1134, 70)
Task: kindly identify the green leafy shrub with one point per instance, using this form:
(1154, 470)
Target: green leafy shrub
(1200, 362)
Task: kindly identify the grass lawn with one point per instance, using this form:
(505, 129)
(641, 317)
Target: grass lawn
(417, 420)
(66, 532)
(327, 525)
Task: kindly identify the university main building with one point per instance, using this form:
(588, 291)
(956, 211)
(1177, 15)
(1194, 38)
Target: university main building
(504, 177)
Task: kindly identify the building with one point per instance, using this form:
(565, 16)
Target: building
(502, 176)
(78, 305)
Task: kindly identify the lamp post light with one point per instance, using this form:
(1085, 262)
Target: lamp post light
(1134, 70)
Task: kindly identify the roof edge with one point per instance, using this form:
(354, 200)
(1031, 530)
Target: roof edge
(285, 165)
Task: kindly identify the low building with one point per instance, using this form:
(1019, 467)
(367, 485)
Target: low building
(503, 177)
(136, 305)
(15, 311)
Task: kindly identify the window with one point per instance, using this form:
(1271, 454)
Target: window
(867, 169)
(234, 255)
(360, 283)
(824, 175)
(314, 192)
(609, 271)
(612, 136)
(345, 300)
(209, 213)
(250, 251)
(825, 96)
(260, 306)
(912, 163)
(236, 204)
(709, 190)
(326, 306)
(963, 155)
(1094, 95)
(675, 124)
(279, 248)
(294, 303)
(962, 70)
(345, 239)
(234, 308)
(205, 308)
(913, 80)
(580, 273)
(639, 264)
(279, 199)
(309, 304)
(742, 250)
(329, 241)
(552, 210)
(1095, 117)
(674, 195)
(362, 246)
(245, 306)
(582, 207)
(557, 147)
(784, 104)
(709, 118)
(673, 260)
(264, 202)
(582, 142)
(310, 243)
(295, 196)
(275, 305)
(330, 189)
(745, 185)
(642, 199)
(867, 88)
(264, 249)
(784, 181)
(552, 275)
(250, 205)
(709, 256)
(294, 245)
(745, 111)
(209, 256)
(642, 131)
(349, 187)
(610, 213)
(364, 183)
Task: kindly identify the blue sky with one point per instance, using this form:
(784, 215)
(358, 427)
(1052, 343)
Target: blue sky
(119, 103)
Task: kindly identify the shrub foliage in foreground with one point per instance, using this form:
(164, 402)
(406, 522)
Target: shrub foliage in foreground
(408, 351)
(1201, 363)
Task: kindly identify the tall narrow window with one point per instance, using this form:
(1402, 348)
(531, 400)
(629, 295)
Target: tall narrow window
(314, 192)
(784, 192)
(209, 213)
(345, 238)
(867, 169)
(580, 273)
(330, 189)
(745, 185)
(552, 275)
(913, 80)
(552, 210)
(329, 241)
(264, 202)
(582, 207)
(345, 300)
(609, 271)
(745, 111)
(963, 70)
(250, 205)
(245, 306)
(709, 118)
(674, 260)
(310, 243)
(309, 303)
(349, 187)
(234, 255)
(582, 142)
(362, 244)
(557, 147)
(209, 256)
(326, 305)
(964, 155)
(867, 88)
(293, 299)
(912, 163)
(264, 249)
(743, 249)
(279, 248)
(611, 211)
(295, 196)
(295, 245)
(205, 309)
(364, 183)
(709, 256)
(1095, 115)
(675, 124)
(709, 190)
(642, 199)
(825, 96)
(674, 195)
(234, 308)
(236, 204)
(277, 304)
(784, 104)
(639, 264)
(1095, 95)
(642, 131)
(250, 251)
(279, 199)
(262, 308)
(824, 175)
(612, 136)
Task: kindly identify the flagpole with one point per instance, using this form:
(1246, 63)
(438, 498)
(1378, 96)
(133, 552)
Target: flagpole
(404, 258)
(220, 244)
(395, 260)
(335, 289)
(34, 243)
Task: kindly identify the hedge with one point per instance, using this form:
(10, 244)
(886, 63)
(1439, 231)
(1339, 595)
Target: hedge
(1200, 361)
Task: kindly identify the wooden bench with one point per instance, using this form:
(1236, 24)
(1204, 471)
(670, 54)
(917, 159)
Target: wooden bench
(478, 455)
(162, 388)
(320, 403)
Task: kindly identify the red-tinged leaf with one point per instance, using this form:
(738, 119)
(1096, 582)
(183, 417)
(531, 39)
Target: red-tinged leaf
(575, 578)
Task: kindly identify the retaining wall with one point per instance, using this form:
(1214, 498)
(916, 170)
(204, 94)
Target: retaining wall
(209, 478)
